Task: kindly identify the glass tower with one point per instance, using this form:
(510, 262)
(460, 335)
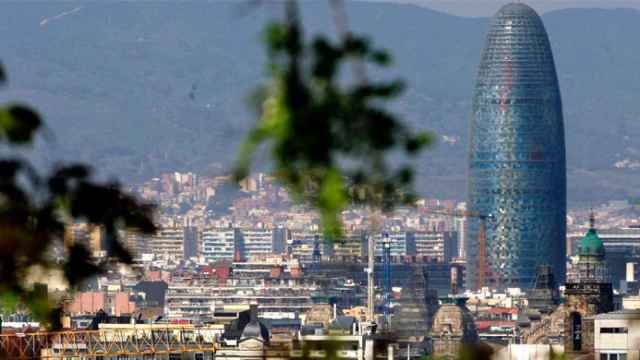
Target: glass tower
(516, 169)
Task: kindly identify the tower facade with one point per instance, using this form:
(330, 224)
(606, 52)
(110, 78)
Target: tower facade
(516, 168)
(588, 292)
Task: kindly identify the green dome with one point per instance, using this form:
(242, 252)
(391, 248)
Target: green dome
(591, 245)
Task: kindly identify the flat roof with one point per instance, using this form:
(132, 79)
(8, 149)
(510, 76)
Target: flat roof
(626, 314)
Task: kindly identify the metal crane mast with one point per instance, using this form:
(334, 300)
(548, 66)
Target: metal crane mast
(483, 268)
(387, 275)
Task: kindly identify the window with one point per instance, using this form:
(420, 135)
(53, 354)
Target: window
(613, 330)
(613, 356)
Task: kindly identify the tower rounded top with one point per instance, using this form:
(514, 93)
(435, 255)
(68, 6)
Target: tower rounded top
(518, 8)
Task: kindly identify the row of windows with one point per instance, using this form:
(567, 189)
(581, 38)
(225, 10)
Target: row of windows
(613, 356)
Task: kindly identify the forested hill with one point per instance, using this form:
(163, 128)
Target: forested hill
(136, 88)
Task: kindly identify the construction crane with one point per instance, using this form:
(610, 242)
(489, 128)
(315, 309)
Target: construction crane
(483, 267)
(386, 259)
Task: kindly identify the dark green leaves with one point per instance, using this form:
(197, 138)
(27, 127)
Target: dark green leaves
(329, 140)
(18, 124)
(79, 265)
(3, 76)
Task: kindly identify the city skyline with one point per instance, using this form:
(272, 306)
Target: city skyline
(311, 238)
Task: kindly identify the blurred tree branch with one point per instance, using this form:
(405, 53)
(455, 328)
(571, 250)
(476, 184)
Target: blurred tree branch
(330, 141)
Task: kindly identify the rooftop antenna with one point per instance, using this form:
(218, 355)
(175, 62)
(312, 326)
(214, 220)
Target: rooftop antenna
(592, 219)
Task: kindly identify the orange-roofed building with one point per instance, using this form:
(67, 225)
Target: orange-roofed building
(88, 302)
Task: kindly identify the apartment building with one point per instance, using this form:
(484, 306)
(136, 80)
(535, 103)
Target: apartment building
(219, 243)
(262, 242)
(168, 243)
(352, 245)
(309, 246)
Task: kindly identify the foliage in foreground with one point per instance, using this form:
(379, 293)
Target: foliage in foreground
(34, 209)
(330, 141)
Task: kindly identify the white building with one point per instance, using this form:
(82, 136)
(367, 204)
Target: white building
(617, 335)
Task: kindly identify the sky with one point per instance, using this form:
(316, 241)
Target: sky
(489, 7)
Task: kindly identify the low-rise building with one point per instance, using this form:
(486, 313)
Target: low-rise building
(617, 335)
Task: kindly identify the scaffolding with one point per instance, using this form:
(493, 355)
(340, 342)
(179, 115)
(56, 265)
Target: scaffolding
(119, 340)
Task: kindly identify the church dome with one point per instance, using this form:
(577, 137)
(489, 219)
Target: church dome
(454, 320)
(255, 329)
(591, 244)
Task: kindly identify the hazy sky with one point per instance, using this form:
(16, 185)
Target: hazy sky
(489, 7)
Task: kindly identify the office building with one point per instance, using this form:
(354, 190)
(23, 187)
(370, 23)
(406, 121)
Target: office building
(517, 176)
(440, 246)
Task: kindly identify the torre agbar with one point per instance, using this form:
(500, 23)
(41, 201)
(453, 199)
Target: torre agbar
(516, 170)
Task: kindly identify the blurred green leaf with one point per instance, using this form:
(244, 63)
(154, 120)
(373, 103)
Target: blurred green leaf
(18, 124)
(9, 300)
(328, 139)
(3, 75)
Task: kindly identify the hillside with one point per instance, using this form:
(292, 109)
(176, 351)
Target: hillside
(136, 88)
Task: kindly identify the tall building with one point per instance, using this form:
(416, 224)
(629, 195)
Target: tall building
(191, 241)
(460, 226)
(517, 175)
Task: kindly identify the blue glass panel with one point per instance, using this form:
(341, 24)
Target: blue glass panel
(517, 154)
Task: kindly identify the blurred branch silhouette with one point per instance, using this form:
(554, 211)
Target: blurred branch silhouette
(35, 208)
(329, 140)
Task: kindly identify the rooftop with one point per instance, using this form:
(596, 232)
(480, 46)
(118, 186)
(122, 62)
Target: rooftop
(626, 314)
